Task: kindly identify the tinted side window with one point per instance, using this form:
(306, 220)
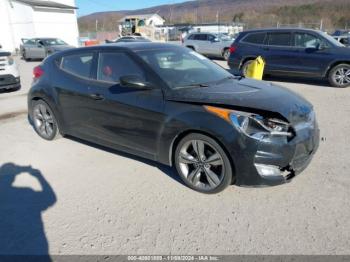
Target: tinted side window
(78, 64)
(30, 42)
(211, 38)
(255, 38)
(280, 39)
(306, 40)
(201, 37)
(191, 37)
(111, 66)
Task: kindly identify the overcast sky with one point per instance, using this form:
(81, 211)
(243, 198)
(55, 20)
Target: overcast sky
(91, 6)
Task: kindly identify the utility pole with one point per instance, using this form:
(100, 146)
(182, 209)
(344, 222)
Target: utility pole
(217, 20)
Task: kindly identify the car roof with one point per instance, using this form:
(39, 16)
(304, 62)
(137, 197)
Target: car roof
(45, 38)
(131, 46)
(282, 29)
(203, 33)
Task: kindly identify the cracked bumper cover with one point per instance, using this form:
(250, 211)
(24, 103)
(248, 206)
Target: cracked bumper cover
(276, 160)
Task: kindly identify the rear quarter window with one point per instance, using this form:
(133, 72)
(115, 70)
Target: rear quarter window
(254, 38)
(77, 64)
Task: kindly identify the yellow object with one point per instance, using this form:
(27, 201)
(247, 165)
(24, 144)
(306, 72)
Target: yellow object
(256, 68)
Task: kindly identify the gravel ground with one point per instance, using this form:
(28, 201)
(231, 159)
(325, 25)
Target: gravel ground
(97, 201)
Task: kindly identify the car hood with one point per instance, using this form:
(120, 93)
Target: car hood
(247, 95)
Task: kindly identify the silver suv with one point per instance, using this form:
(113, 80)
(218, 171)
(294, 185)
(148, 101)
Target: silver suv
(209, 44)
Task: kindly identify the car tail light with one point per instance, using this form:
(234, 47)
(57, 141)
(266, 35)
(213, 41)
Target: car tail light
(37, 72)
(233, 49)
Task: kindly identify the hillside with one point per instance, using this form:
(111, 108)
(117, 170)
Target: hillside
(255, 13)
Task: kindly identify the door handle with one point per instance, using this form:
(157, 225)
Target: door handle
(97, 96)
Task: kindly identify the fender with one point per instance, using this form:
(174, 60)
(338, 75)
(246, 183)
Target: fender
(182, 123)
(49, 98)
(332, 64)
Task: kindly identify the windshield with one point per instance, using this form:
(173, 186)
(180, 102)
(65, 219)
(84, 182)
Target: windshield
(331, 39)
(49, 42)
(181, 67)
(224, 37)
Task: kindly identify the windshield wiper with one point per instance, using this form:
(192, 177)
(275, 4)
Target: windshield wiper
(192, 85)
(229, 78)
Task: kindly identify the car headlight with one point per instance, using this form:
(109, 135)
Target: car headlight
(253, 125)
(10, 60)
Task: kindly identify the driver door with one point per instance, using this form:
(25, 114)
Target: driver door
(38, 49)
(215, 45)
(313, 53)
(122, 116)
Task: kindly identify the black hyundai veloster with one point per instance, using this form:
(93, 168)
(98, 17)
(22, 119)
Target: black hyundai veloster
(170, 104)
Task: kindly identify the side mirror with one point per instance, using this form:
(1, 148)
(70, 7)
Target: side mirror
(215, 40)
(134, 81)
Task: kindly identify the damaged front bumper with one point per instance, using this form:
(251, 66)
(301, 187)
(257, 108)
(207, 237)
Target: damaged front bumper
(277, 160)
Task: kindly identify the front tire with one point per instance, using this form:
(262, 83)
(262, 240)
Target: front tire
(203, 164)
(44, 121)
(339, 76)
(25, 56)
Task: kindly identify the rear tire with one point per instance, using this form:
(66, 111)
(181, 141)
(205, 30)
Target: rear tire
(44, 121)
(203, 164)
(245, 67)
(339, 76)
(226, 54)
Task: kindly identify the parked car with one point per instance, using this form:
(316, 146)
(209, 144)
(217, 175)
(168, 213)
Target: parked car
(340, 32)
(39, 48)
(293, 52)
(209, 44)
(9, 75)
(172, 105)
(343, 39)
(128, 39)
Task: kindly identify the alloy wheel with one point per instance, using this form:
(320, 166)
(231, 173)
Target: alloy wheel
(201, 164)
(226, 54)
(43, 120)
(342, 76)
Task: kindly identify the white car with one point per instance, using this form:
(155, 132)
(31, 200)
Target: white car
(209, 44)
(9, 75)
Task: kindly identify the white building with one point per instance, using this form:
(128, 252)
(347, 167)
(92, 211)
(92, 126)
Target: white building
(145, 19)
(37, 18)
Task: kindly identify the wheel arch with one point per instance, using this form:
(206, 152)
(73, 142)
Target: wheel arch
(245, 59)
(57, 115)
(333, 64)
(224, 49)
(191, 47)
(185, 133)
